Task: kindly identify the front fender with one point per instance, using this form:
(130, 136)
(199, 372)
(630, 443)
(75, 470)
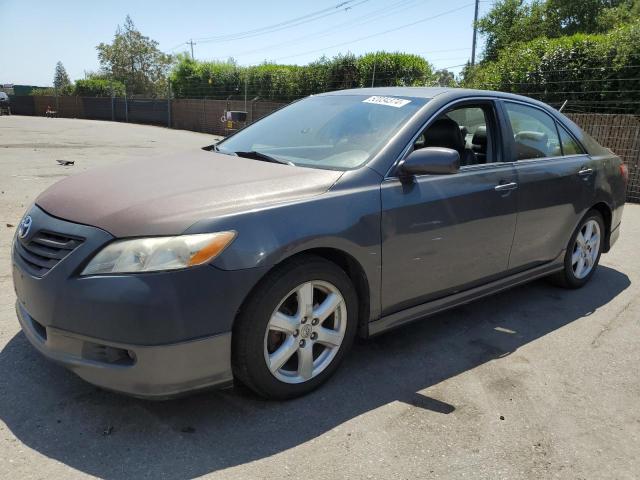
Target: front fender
(346, 218)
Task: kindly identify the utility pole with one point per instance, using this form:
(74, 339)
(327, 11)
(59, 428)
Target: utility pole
(190, 42)
(475, 34)
(169, 105)
(113, 116)
(373, 75)
(245, 94)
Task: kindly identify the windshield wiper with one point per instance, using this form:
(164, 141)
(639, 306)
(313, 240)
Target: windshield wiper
(261, 156)
(211, 148)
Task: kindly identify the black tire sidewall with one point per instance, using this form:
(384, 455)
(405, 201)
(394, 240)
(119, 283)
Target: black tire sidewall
(569, 277)
(250, 327)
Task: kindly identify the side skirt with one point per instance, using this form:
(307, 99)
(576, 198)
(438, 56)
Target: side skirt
(436, 306)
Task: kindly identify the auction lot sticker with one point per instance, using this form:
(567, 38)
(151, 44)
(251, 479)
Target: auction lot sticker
(388, 101)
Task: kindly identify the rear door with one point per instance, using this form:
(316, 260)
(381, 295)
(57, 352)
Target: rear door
(445, 233)
(555, 183)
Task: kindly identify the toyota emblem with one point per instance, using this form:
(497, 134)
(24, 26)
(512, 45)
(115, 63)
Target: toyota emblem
(25, 226)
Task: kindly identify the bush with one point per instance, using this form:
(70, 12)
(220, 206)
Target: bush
(51, 91)
(393, 70)
(43, 92)
(193, 79)
(98, 87)
(580, 68)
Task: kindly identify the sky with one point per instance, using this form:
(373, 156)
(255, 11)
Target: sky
(36, 34)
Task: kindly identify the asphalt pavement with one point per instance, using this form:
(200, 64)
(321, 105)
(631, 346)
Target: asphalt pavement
(533, 383)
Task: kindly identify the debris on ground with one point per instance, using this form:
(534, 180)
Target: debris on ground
(66, 163)
(107, 431)
(188, 430)
(10, 225)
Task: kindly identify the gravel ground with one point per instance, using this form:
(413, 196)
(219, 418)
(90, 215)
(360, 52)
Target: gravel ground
(533, 383)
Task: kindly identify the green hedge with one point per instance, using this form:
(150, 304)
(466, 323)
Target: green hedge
(98, 87)
(586, 69)
(194, 79)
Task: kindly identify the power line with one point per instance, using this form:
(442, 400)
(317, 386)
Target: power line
(379, 33)
(442, 51)
(294, 22)
(452, 66)
(376, 14)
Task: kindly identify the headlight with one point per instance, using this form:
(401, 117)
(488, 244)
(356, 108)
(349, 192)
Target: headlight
(158, 253)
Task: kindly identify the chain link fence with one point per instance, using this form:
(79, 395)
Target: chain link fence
(617, 131)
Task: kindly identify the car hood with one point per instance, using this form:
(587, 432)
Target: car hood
(166, 195)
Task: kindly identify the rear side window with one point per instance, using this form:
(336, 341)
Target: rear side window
(569, 145)
(534, 132)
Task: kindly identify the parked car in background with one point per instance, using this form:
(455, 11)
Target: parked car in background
(5, 105)
(346, 213)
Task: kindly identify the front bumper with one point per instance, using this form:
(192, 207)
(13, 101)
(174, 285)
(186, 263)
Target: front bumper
(154, 372)
(150, 335)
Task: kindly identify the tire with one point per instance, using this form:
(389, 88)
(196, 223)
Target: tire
(273, 325)
(571, 275)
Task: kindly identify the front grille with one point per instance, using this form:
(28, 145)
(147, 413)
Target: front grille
(45, 249)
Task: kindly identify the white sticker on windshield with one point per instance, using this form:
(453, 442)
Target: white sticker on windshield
(388, 101)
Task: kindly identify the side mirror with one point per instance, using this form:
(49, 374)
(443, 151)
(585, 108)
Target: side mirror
(431, 161)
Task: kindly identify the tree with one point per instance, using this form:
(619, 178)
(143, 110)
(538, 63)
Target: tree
(626, 12)
(61, 81)
(445, 78)
(135, 60)
(511, 21)
(570, 16)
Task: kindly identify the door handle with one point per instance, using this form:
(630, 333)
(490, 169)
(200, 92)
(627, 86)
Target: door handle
(585, 172)
(505, 186)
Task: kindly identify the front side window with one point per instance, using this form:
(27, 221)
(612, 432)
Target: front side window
(468, 130)
(534, 132)
(338, 132)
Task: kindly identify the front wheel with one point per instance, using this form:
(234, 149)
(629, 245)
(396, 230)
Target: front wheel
(583, 252)
(295, 328)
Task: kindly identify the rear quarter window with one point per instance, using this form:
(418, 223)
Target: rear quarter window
(569, 145)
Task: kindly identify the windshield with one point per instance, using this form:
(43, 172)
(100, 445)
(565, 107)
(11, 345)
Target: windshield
(338, 132)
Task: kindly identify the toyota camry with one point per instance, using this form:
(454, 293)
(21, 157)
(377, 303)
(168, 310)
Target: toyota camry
(259, 259)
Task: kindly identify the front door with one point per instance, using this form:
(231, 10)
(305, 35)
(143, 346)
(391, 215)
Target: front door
(446, 233)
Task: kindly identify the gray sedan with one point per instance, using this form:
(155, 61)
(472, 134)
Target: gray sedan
(345, 214)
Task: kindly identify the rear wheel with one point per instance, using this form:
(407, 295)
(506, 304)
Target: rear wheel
(295, 329)
(583, 252)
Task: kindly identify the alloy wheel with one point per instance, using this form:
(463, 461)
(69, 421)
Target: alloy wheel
(586, 249)
(305, 332)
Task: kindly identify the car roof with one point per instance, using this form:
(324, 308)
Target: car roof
(432, 92)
